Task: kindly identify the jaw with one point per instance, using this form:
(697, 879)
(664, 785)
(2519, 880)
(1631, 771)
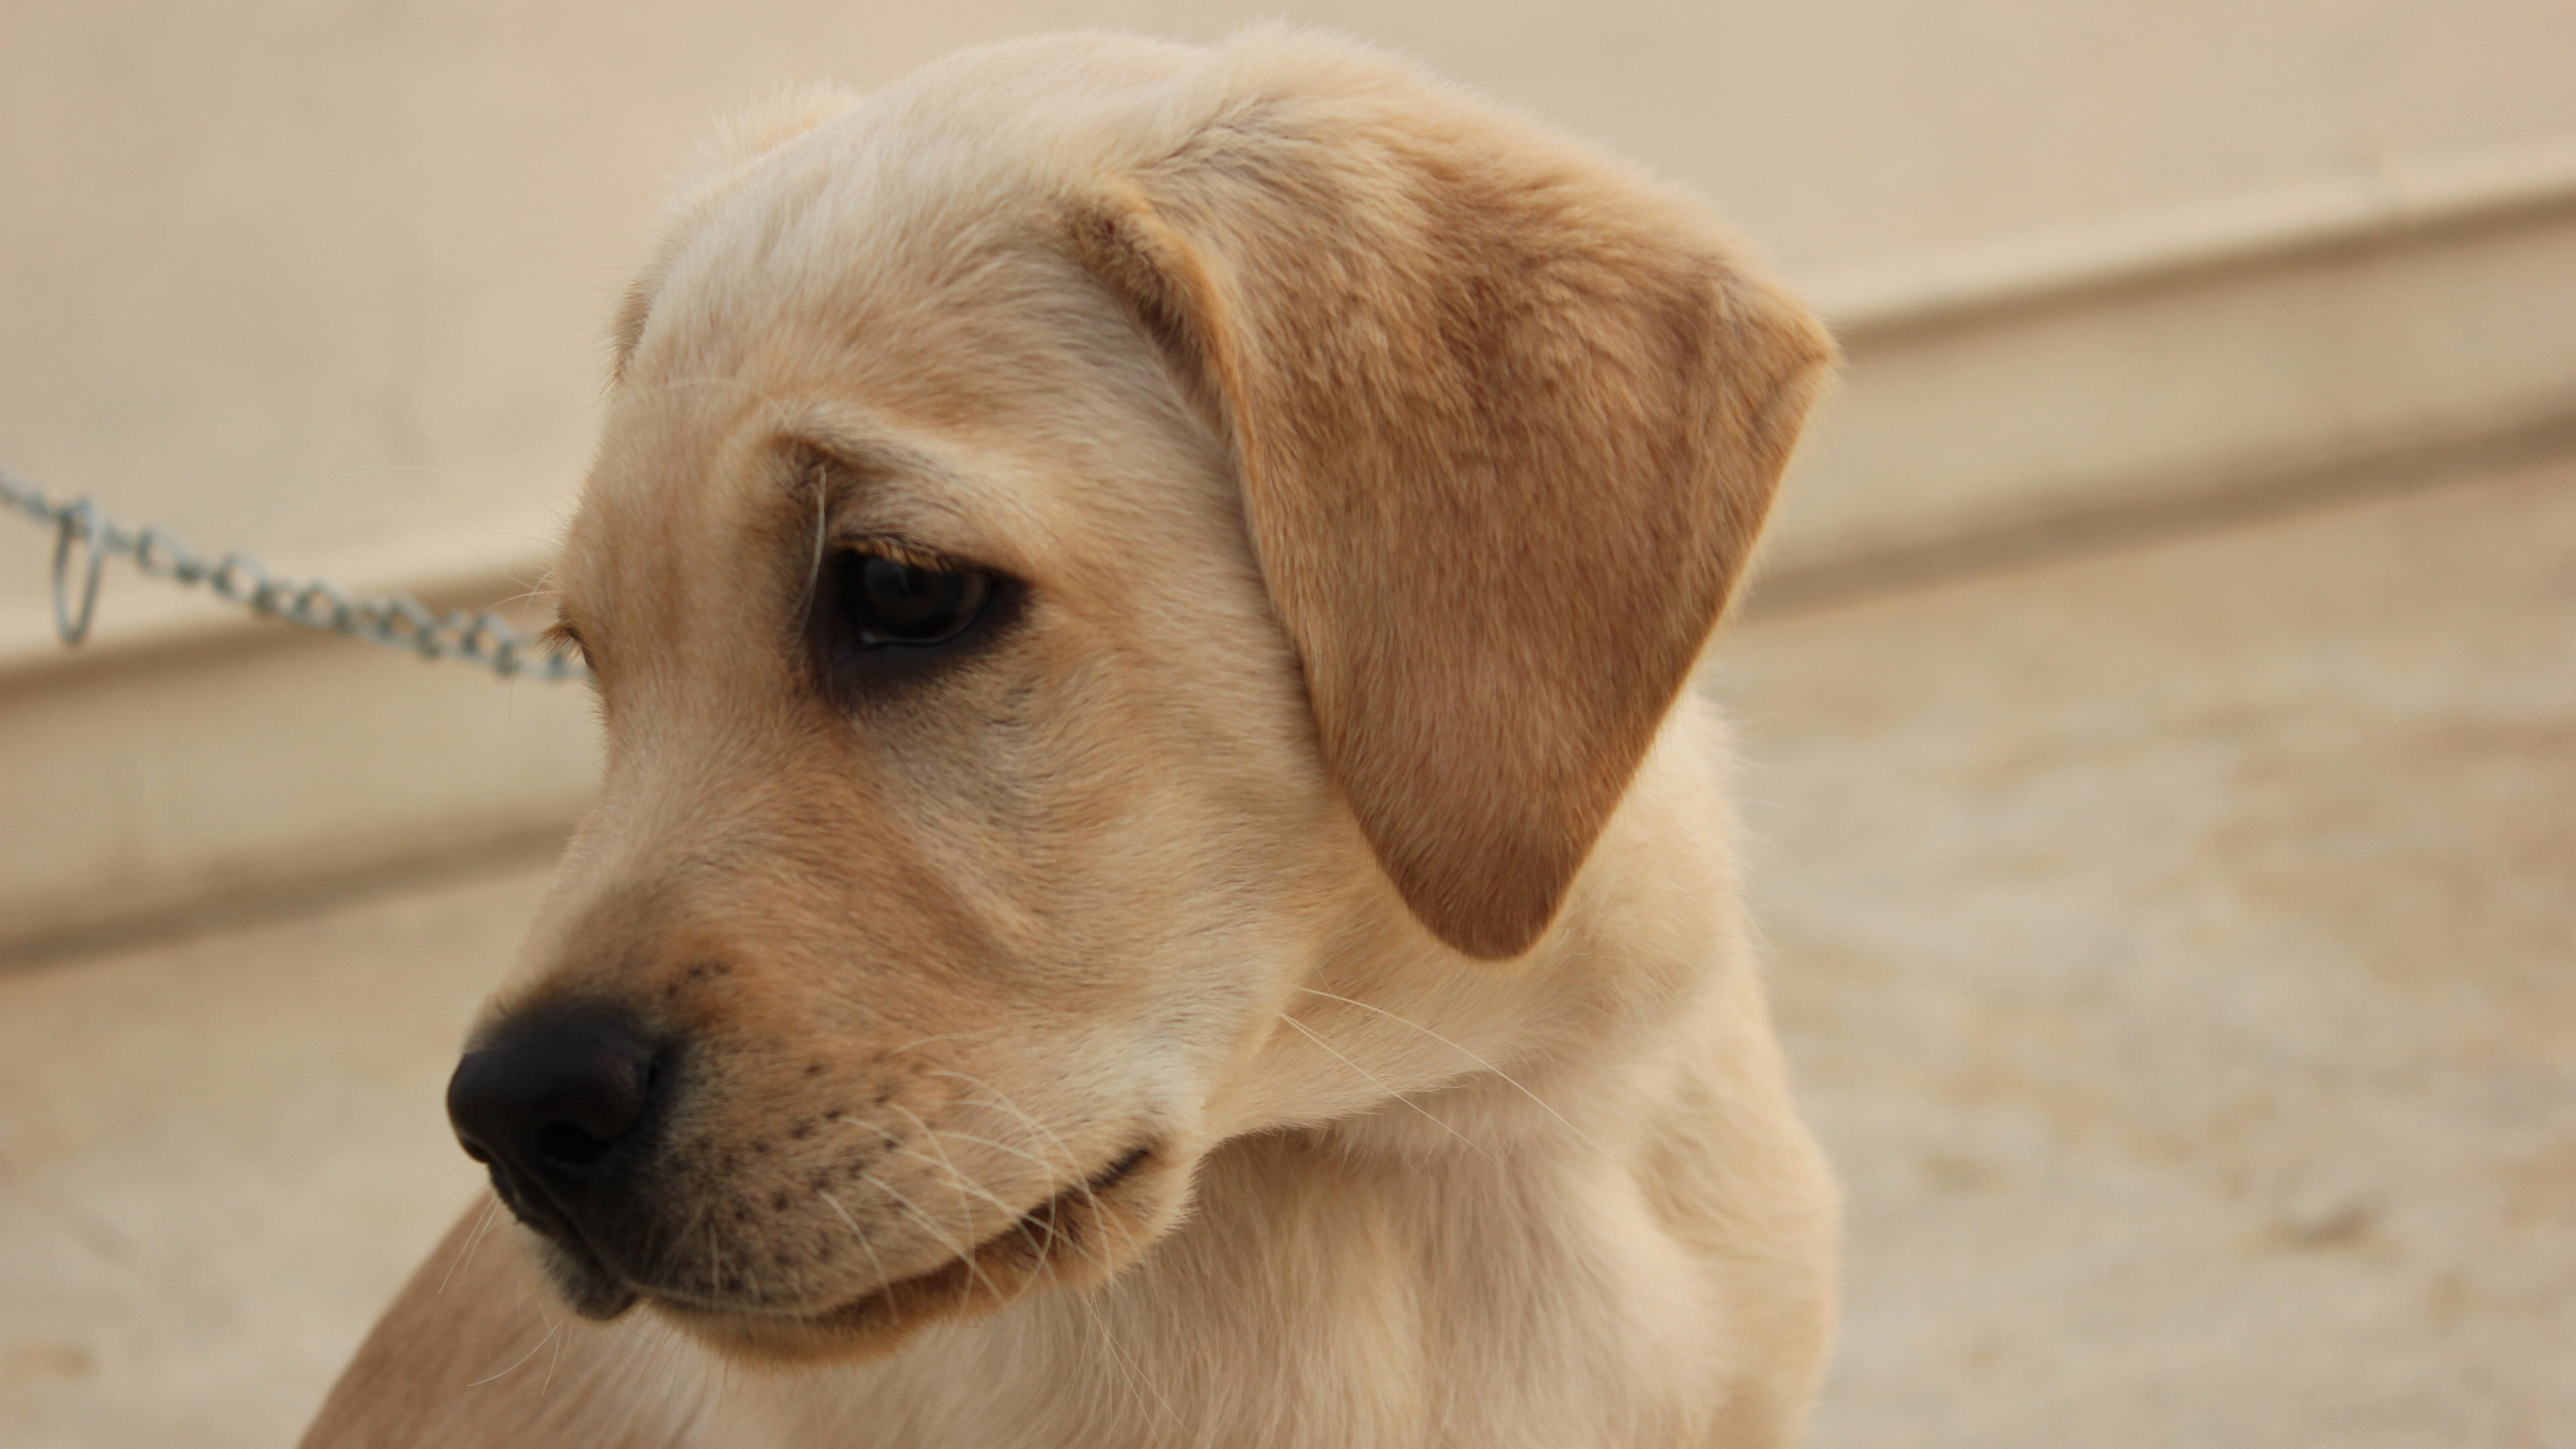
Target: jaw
(588, 1287)
(1076, 1239)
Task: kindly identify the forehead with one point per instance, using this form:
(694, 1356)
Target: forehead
(920, 209)
(923, 339)
(890, 299)
(894, 277)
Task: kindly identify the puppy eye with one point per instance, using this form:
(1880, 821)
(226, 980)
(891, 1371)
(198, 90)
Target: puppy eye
(889, 601)
(885, 615)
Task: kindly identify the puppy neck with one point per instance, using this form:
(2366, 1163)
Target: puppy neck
(1412, 1050)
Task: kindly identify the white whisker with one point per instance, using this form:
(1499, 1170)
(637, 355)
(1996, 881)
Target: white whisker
(523, 1358)
(473, 1239)
(1014, 1216)
(1038, 1129)
(1426, 1113)
(962, 1254)
(553, 1363)
(1134, 1376)
(883, 1282)
(1019, 1221)
(1046, 1167)
(1507, 1077)
(954, 1176)
(822, 526)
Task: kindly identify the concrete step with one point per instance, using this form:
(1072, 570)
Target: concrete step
(2170, 943)
(148, 790)
(193, 754)
(2243, 348)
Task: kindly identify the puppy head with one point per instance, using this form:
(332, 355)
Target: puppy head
(1083, 537)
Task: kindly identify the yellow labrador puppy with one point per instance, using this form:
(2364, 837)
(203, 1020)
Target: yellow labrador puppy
(1155, 884)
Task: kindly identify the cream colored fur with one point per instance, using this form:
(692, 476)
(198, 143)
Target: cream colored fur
(1450, 1144)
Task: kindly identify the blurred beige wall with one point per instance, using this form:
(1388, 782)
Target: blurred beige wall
(327, 283)
(320, 279)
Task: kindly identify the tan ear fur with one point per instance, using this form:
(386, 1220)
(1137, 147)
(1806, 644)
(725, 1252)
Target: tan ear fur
(1508, 419)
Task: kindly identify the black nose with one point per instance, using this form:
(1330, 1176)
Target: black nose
(546, 1098)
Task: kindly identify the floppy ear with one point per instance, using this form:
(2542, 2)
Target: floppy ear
(1507, 419)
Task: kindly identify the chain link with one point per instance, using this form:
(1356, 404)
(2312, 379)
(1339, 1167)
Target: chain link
(84, 538)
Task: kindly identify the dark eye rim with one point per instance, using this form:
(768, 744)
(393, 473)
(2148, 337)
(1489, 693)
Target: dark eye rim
(851, 667)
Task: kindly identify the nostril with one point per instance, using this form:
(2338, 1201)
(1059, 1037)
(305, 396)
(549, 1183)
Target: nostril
(546, 1097)
(565, 1145)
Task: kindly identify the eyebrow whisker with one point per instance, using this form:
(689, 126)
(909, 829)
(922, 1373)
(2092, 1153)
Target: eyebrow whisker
(822, 535)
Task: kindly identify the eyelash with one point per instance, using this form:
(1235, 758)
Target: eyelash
(561, 637)
(995, 601)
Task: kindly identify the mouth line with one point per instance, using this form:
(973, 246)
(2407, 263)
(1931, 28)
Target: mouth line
(600, 1292)
(1045, 1224)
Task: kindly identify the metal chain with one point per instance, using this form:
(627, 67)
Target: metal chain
(82, 528)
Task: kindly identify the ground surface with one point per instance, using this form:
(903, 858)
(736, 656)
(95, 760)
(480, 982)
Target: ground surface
(2174, 942)
(2179, 950)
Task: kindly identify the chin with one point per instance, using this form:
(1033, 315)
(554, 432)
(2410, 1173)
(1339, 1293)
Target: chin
(1075, 1240)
